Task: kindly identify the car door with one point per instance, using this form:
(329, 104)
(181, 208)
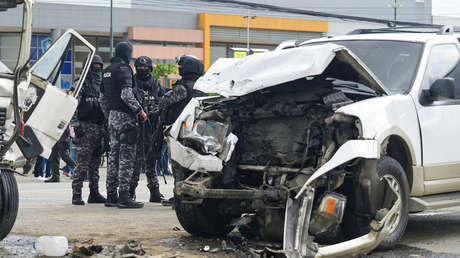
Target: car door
(47, 109)
(440, 122)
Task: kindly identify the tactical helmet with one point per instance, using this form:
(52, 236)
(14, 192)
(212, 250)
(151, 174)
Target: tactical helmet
(144, 61)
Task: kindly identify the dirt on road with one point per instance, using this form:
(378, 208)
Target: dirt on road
(46, 209)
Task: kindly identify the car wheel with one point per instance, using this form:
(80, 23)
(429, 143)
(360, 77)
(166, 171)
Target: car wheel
(396, 186)
(199, 219)
(9, 202)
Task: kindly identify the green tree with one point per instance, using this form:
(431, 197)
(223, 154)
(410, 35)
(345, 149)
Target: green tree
(163, 70)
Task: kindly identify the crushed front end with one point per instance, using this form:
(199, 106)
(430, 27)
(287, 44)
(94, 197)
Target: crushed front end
(282, 164)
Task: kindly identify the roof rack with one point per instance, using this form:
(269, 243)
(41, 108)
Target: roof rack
(438, 29)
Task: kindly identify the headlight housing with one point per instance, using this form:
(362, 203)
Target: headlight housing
(210, 135)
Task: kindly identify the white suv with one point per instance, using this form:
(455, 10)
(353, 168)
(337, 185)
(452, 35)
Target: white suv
(326, 146)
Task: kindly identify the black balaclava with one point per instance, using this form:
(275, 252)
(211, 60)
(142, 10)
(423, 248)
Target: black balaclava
(143, 75)
(124, 51)
(190, 68)
(95, 74)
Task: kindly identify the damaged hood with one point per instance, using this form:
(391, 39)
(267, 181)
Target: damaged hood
(233, 77)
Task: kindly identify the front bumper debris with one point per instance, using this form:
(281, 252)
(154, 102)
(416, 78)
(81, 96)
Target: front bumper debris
(299, 244)
(191, 159)
(201, 192)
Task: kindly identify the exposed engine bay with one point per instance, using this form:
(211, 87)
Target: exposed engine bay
(252, 162)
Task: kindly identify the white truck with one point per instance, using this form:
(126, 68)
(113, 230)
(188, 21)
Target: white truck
(325, 147)
(34, 110)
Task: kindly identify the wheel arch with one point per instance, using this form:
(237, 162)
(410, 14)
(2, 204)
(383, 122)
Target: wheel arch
(397, 147)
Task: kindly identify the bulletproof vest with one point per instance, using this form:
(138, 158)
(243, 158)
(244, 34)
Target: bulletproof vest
(176, 109)
(111, 87)
(89, 108)
(148, 93)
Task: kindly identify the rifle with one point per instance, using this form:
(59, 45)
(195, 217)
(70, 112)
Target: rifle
(143, 146)
(153, 134)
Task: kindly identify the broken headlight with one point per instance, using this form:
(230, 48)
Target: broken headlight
(328, 216)
(210, 135)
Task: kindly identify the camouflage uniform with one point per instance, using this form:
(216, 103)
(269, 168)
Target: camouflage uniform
(89, 154)
(118, 98)
(88, 123)
(148, 91)
(173, 102)
(123, 131)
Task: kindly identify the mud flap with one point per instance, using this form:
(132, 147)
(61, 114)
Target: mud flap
(29, 144)
(297, 242)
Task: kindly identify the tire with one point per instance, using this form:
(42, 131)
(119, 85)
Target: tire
(389, 167)
(200, 220)
(9, 202)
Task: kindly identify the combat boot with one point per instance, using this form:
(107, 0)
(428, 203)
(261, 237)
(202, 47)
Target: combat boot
(124, 202)
(96, 197)
(155, 195)
(132, 195)
(112, 200)
(76, 199)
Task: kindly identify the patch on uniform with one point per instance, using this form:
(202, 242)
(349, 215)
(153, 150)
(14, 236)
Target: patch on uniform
(107, 75)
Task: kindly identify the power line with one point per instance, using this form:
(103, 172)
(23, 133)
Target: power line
(319, 14)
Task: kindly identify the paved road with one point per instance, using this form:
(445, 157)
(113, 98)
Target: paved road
(45, 209)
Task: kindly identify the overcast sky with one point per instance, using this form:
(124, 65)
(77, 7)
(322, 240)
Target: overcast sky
(446, 7)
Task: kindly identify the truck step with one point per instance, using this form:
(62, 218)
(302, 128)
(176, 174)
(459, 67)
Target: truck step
(433, 202)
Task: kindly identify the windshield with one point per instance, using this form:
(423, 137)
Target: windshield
(394, 62)
(4, 68)
(48, 66)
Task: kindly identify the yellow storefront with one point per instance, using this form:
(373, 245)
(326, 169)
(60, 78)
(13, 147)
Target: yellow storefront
(229, 33)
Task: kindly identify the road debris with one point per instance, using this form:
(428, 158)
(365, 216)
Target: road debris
(130, 249)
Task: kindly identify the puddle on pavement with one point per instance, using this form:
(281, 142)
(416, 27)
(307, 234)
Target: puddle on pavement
(19, 246)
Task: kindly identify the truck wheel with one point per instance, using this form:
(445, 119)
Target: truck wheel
(9, 202)
(202, 220)
(393, 173)
(199, 219)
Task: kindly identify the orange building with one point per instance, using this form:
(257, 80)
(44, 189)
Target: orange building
(222, 35)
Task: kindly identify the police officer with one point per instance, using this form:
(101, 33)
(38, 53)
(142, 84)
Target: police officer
(124, 113)
(190, 69)
(173, 102)
(148, 91)
(89, 131)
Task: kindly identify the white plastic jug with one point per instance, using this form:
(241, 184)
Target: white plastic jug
(51, 245)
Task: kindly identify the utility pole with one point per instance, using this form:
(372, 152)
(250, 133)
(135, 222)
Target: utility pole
(247, 29)
(111, 28)
(395, 6)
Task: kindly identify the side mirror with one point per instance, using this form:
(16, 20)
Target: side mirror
(443, 89)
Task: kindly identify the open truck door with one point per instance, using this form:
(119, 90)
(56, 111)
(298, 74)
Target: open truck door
(34, 110)
(47, 109)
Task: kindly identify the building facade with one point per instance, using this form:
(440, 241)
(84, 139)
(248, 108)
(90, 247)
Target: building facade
(164, 30)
